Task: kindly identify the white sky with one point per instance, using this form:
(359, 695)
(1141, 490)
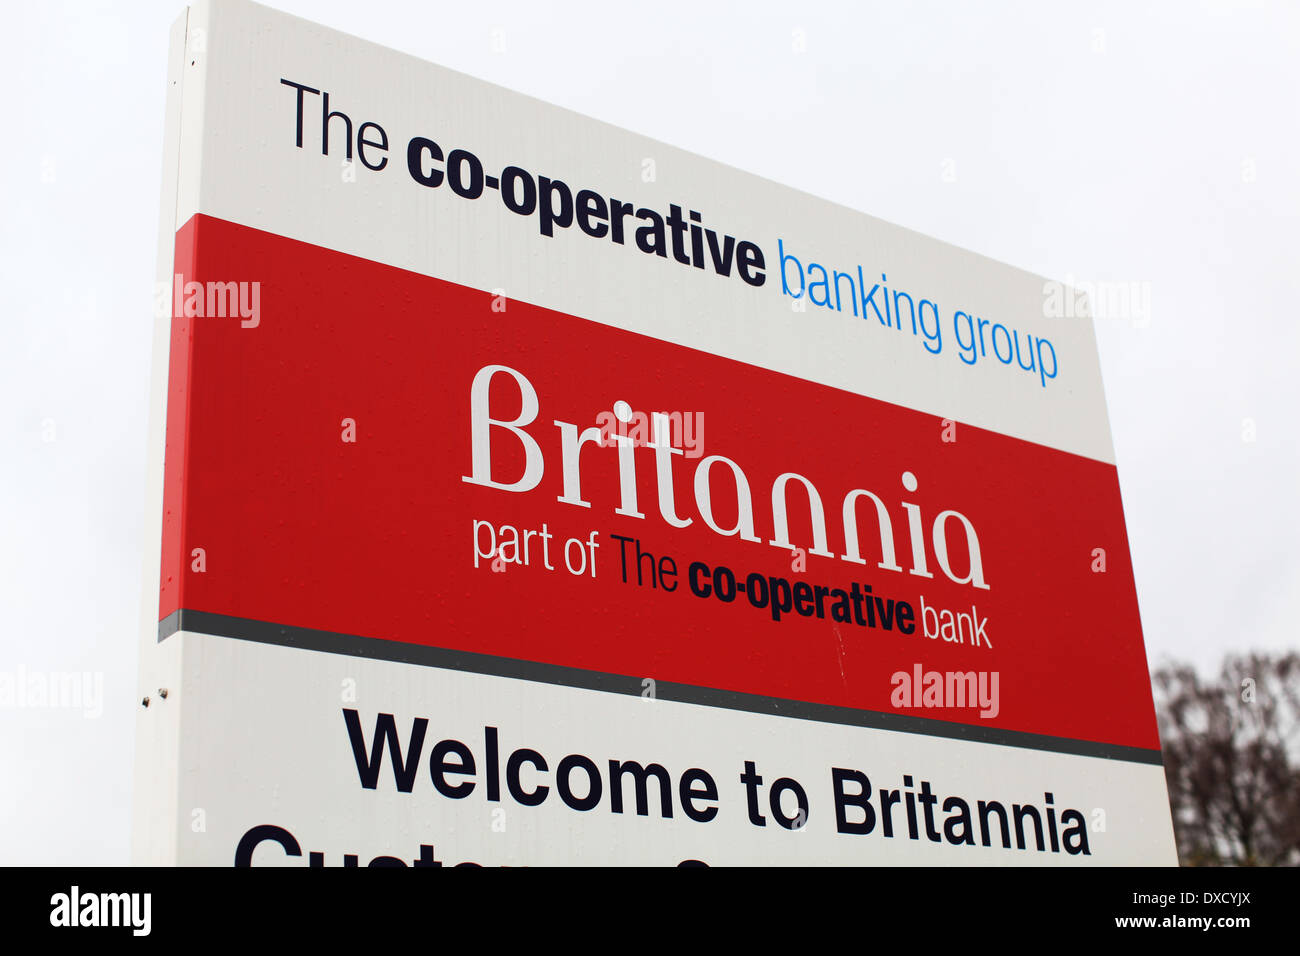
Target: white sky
(1156, 143)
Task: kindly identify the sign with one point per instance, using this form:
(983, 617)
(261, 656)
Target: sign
(532, 492)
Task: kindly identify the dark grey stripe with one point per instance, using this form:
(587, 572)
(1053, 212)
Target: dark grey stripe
(400, 652)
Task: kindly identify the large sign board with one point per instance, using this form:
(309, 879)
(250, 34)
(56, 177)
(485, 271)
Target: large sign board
(533, 492)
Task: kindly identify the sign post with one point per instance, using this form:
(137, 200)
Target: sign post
(532, 492)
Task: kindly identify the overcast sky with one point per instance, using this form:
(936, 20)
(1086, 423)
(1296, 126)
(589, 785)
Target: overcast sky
(1155, 144)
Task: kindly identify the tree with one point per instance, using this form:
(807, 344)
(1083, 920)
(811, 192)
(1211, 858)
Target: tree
(1232, 760)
